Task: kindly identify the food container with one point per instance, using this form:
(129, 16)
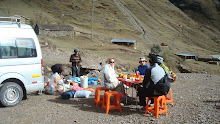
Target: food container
(125, 76)
(132, 78)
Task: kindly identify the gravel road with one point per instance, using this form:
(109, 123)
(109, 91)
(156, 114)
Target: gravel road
(195, 97)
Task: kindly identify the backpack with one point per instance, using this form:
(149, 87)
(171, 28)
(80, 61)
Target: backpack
(163, 85)
(171, 74)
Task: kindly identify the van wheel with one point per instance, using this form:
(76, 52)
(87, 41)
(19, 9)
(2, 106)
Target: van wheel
(10, 94)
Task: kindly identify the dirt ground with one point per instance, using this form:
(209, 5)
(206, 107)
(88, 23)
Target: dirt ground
(195, 97)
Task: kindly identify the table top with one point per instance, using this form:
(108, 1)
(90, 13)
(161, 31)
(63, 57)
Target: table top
(129, 82)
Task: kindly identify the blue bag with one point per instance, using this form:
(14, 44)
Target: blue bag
(68, 94)
(75, 79)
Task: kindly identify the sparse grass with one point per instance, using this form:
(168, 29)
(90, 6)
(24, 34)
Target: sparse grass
(156, 49)
(172, 61)
(109, 22)
(199, 66)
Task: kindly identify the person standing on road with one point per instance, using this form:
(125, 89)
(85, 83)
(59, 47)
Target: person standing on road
(142, 67)
(76, 60)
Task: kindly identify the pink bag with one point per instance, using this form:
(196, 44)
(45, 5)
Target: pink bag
(76, 88)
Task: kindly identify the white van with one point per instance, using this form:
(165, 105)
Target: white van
(21, 63)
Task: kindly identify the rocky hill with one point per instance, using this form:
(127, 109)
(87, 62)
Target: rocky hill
(187, 26)
(205, 12)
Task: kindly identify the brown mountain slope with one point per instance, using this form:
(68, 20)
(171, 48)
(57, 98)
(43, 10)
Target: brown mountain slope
(156, 21)
(202, 11)
(149, 22)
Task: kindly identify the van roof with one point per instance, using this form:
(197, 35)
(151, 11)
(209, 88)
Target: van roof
(13, 25)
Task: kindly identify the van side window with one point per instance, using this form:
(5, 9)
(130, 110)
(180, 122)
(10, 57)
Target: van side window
(8, 49)
(26, 48)
(19, 48)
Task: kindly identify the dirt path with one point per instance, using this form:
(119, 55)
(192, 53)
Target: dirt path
(195, 97)
(134, 21)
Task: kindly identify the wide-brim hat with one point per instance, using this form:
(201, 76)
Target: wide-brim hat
(142, 59)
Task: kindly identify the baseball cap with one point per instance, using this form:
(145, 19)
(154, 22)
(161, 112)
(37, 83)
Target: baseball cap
(76, 50)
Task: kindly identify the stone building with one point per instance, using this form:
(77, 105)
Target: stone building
(52, 30)
(126, 42)
(186, 56)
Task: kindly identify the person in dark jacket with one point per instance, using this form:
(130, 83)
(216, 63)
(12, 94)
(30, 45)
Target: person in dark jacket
(153, 75)
(76, 60)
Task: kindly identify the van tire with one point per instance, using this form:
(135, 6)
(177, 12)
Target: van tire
(11, 94)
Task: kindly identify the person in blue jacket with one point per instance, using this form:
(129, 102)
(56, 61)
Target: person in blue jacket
(142, 67)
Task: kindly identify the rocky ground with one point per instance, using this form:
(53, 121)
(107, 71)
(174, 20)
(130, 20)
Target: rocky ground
(195, 97)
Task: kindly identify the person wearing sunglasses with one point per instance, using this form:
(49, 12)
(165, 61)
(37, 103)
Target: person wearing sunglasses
(109, 79)
(142, 67)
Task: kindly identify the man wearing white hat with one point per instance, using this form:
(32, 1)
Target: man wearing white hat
(143, 66)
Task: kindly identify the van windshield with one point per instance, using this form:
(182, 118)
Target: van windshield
(17, 48)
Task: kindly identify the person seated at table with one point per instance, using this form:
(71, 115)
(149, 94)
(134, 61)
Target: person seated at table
(169, 72)
(161, 64)
(142, 67)
(153, 75)
(109, 79)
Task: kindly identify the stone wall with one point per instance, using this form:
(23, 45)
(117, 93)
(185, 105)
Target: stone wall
(57, 33)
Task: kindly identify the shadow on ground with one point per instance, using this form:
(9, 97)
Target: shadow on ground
(87, 104)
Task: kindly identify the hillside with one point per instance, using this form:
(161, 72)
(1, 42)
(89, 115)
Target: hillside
(149, 22)
(205, 12)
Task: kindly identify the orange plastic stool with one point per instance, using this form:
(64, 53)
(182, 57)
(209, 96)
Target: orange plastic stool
(171, 97)
(157, 108)
(108, 105)
(97, 99)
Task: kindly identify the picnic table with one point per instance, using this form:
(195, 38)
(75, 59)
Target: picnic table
(130, 83)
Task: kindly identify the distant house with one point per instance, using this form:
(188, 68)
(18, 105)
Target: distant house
(164, 44)
(54, 30)
(212, 59)
(186, 56)
(215, 57)
(127, 42)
